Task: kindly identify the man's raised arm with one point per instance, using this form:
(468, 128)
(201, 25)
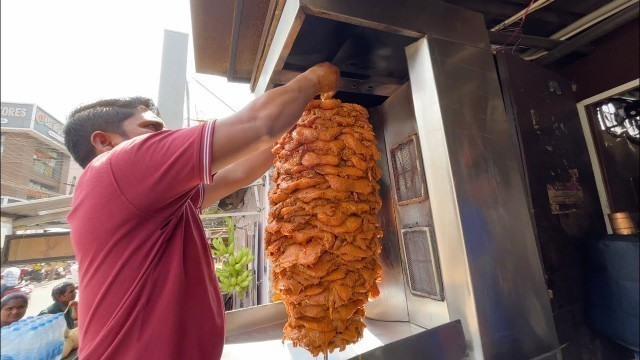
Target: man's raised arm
(263, 121)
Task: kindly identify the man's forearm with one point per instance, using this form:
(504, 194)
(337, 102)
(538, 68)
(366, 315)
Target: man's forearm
(253, 166)
(238, 175)
(278, 110)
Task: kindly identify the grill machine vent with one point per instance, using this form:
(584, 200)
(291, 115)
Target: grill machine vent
(423, 268)
(408, 175)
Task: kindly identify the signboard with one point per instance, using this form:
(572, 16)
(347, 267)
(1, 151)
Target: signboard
(15, 115)
(43, 247)
(48, 126)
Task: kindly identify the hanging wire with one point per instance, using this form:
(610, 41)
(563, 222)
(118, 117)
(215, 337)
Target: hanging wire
(518, 30)
(214, 95)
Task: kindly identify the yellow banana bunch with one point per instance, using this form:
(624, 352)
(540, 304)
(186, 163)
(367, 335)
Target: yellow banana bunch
(234, 274)
(219, 248)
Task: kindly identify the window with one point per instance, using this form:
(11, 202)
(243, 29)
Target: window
(46, 162)
(38, 190)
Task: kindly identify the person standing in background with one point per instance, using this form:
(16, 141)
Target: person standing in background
(10, 278)
(62, 294)
(13, 307)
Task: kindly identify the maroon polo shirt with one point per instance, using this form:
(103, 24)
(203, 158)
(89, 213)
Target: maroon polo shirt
(146, 275)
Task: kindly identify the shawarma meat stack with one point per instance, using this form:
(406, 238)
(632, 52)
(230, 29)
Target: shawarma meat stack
(323, 232)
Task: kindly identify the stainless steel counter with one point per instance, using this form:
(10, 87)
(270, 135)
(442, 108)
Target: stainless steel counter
(266, 342)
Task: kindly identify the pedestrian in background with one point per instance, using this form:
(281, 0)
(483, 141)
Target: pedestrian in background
(10, 278)
(13, 307)
(62, 294)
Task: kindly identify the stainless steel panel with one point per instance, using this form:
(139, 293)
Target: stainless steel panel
(375, 85)
(239, 321)
(490, 265)
(412, 18)
(288, 27)
(364, 38)
(400, 125)
(445, 342)
(391, 305)
(265, 341)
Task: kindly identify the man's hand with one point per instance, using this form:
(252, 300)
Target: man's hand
(72, 304)
(327, 77)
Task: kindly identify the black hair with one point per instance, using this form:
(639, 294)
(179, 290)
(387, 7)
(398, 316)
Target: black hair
(60, 289)
(104, 115)
(5, 300)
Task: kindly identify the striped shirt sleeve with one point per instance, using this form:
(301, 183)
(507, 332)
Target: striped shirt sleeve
(207, 149)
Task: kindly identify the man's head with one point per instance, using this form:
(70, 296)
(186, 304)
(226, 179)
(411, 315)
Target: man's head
(98, 127)
(13, 306)
(64, 293)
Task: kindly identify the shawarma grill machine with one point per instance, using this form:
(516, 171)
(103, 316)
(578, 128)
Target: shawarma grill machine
(462, 275)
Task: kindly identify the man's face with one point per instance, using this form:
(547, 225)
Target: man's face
(13, 311)
(142, 123)
(68, 296)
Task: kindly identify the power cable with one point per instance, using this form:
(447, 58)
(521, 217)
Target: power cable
(214, 95)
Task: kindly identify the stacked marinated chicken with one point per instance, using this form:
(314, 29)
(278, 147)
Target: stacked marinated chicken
(323, 233)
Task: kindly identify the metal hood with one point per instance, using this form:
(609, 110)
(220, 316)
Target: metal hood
(226, 36)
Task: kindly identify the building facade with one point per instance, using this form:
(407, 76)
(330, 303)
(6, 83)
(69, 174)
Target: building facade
(35, 161)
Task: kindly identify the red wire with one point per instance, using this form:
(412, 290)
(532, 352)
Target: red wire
(519, 30)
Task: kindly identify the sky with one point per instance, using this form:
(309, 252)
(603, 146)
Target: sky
(61, 54)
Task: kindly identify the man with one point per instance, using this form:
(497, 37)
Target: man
(62, 294)
(74, 273)
(10, 278)
(147, 278)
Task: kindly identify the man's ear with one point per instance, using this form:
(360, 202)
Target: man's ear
(103, 141)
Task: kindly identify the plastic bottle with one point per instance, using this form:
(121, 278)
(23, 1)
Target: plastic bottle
(60, 322)
(48, 338)
(59, 326)
(41, 348)
(38, 343)
(24, 348)
(10, 341)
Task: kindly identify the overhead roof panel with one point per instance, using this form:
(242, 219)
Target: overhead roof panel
(37, 207)
(222, 45)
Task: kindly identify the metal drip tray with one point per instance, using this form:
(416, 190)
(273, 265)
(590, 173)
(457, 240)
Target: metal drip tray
(381, 339)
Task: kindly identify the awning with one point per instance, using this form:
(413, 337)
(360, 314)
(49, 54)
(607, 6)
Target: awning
(228, 34)
(36, 213)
